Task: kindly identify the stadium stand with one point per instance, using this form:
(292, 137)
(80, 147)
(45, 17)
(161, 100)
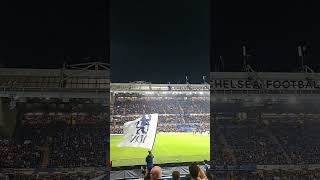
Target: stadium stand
(175, 114)
(60, 120)
(268, 174)
(182, 108)
(68, 139)
(267, 128)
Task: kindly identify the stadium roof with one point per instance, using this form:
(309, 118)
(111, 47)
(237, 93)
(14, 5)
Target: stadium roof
(140, 87)
(74, 79)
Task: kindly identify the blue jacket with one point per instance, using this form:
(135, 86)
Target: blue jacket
(149, 160)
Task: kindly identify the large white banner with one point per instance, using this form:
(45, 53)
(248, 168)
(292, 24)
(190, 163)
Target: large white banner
(140, 132)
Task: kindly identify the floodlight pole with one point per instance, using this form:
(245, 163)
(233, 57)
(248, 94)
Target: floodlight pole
(244, 53)
(222, 63)
(302, 57)
(155, 137)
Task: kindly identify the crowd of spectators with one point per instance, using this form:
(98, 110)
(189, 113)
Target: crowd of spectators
(301, 141)
(201, 174)
(81, 175)
(272, 143)
(161, 105)
(251, 145)
(175, 114)
(168, 123)
(54, 138)
(78, 146)
(288, 175)
(45, 118)
(267, 175)
(24, 155)
(197, 171)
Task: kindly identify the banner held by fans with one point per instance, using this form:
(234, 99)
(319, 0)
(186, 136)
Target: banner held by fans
(140, 132)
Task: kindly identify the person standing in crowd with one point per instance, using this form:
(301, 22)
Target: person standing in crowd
(149, 161)
(196, 173)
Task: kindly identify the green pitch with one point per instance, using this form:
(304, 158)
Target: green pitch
(168, 148)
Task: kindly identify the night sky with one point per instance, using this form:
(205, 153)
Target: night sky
(159, 41)
(44, 35)
(271, 30)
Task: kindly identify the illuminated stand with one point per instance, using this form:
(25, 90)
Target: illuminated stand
(248, 94)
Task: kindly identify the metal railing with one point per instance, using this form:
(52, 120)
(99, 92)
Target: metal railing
(161, 160)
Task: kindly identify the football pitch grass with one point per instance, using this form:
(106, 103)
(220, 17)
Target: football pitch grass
(168, 148)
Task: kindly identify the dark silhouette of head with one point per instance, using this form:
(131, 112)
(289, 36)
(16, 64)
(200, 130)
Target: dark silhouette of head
(175, 175)
(194, 170)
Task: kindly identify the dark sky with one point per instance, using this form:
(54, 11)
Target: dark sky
(44, 35)
(159, 41)
(271, 30)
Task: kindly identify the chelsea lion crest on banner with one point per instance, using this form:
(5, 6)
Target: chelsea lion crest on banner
(142, 129)
(140, 132)
(143, 124)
